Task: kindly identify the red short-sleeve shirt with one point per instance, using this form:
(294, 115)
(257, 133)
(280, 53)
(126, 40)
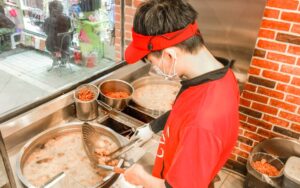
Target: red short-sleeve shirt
(200, 133)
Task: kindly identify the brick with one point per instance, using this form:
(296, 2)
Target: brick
(290, 16)
(128, 35)
(264, 108)
(255, 97)
(253, 70)
(249, 87)
(242, 117)
(137, 3)
(295, 127)
(130, 11)
(265, 64)
(276, 120)
(271, 93)
(288, 38)
(248, 127)
(264, 33)
(129, 3)
(259, 53)
(241, 160)
(294, 50)
(281, 58)
(254, 136)
(117, 2)
(271, 45)
(245, 102)
(241, 153)
(289, 116)
(259, 123)
(271, 13)
(296, 28)
(290, 69)
(128, 27)
(286, 132)
(289, 89)
(293, 99)
(262, 82)
(284, 4)
(129, 19)
(232, 156)
(283, 105)
(118, 25)
(245, 147)
(241, 131)
(296, 81)
(250, 112)
(245, 140)
(118, 16)
(276, 76)
(118, 9)
(298, 62)
(268, 134)
(271, 24)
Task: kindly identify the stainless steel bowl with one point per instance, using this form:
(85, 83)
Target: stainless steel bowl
(151, 80)
(115, 85)
(87, 110)
(39, 140)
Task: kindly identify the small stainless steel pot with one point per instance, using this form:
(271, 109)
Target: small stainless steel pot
(115, 85)
(87, 110)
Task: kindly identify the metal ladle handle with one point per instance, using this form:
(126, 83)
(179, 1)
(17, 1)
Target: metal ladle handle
(104, 105)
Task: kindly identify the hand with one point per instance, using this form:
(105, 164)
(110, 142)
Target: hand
(136, 175)
(143, 133)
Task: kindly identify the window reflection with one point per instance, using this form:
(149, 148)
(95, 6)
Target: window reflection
(46, 46)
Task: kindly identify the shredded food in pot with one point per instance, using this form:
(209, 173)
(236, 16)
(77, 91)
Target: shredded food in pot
(117, 94)
(66, 154)
(85, 94)
(264, 167)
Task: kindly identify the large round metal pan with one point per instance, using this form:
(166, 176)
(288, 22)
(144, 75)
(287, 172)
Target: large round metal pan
(151, 80)
(39, 140)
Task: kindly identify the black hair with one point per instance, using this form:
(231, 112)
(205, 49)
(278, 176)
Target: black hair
(2, 10)
(156, 17)
(55, 8)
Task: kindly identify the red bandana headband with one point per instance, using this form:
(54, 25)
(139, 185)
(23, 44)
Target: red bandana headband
(142, 45)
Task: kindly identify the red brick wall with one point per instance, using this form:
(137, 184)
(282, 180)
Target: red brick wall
(269, 105)
(271, 97)
(130, 8)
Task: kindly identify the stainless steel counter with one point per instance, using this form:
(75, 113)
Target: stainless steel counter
(17, 131)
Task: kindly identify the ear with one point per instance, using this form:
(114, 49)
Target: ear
(170, 54)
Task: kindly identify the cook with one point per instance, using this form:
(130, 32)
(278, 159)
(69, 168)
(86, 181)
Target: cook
(201, 130)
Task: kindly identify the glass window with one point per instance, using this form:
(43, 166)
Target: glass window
(49, 46)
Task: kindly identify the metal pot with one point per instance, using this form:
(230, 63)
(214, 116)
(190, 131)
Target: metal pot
(151, 80)
(87, 110)
(115, 85)
(39, 140)
(256, 179)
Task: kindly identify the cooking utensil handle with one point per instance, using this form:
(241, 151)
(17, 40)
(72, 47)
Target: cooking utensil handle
(119, 170)
(115, 154)
(104, 105)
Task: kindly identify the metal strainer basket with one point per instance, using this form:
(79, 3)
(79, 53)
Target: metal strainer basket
(273, 181)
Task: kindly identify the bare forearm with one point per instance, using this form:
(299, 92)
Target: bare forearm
(153, 182)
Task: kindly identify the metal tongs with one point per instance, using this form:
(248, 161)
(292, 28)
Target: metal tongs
(91, 136)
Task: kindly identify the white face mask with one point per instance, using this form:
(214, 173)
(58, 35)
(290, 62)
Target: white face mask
(171, 75)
